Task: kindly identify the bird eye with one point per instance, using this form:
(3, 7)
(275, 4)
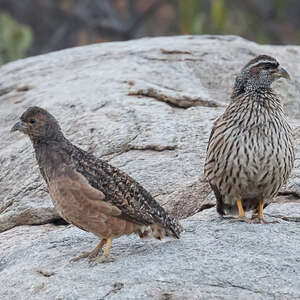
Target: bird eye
(269, 66)
(32, 121)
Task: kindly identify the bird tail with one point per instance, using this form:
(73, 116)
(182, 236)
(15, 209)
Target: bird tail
(158, 231)
(174, 228)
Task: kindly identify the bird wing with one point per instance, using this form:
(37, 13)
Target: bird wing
(120, 190)
(215, 142)
(211, 167)
(68, 183)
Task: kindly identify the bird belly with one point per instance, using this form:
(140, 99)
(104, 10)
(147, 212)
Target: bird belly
(253, 172)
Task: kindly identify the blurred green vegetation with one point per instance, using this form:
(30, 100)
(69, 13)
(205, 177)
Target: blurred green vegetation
(196, 20)
(15, 39)
(63, 24)
(261, 22)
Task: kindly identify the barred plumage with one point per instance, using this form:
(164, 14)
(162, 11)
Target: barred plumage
(250, 152)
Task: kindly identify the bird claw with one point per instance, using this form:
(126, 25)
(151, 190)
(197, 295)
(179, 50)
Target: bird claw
(81, 256)
(90, 255)
(253, 220)
(242, 219)
(262, 221)
(99, 260)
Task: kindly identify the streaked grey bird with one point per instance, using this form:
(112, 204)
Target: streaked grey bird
(250, 152)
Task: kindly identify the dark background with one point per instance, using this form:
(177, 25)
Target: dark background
(31, 27)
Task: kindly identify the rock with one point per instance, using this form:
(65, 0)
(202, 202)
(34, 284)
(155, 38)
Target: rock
(285, 211)
(214, 259)
(147, 107)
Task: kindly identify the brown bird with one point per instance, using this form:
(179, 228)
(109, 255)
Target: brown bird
(250, 152)
(90, 193)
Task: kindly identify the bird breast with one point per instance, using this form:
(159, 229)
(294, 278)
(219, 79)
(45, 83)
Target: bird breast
(250, 153)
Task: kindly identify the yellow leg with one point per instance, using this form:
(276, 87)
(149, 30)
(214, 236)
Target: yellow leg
(260, 210)
(106, 254)
(92, 254)
(107, 247)
(261, 215)
(240, 208)
(241, 217)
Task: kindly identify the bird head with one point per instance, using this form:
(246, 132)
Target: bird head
(259, 72)
(38, 124)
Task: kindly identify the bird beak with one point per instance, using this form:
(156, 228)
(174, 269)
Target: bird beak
(281, 72)
(19, 126)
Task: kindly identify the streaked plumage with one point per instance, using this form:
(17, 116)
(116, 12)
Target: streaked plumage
(90, 193)
(250, 152)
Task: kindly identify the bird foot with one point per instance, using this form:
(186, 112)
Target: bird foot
(90, 255)
(242, 219)
(102, 259)
(256, 220)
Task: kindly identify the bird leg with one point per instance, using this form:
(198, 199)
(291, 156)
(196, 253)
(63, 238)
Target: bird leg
(240, 208)
(242, 217)
(105, 257)
(92, 254)
(260, 210)
(260, 215)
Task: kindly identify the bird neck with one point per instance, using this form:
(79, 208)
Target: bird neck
(56, 137)
(257, 92)
(262, 100)
(50, 154)
(249, 84)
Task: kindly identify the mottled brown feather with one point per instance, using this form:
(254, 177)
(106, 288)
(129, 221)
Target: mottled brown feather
(90, 193)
